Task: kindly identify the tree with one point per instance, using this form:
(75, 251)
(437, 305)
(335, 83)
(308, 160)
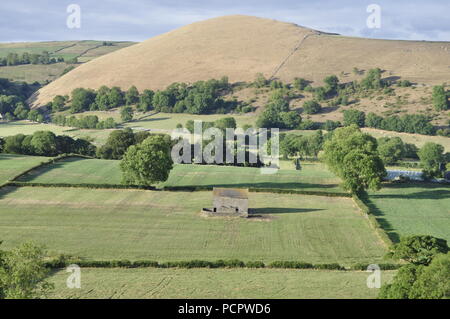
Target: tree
(58, 103)
(440, 98)
(373, 120)
(81, 100)
(300, 84)
(161, 100)
(311, 107)
(391, 150)
(372, 79)
(146, 101)
(431, 157)
(354, 117)
(102, 100)
(330, 125)
(353, 156)
(331, 84)
(269, 118)
(434, 280)
(132, 96)
(420, 282)
(147, 163)
(224, 123)
(126, 113)
(260, 80)
(115, 97)
(23, 273)
(290, 120)
(401, 286)
(43, 143)
(117, 144)
(419, 250)
(13, 144)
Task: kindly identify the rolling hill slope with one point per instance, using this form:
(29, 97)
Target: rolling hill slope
(241, 46)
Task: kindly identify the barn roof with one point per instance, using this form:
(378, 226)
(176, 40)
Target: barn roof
(231, 192)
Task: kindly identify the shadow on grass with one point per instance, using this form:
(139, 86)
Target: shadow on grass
(384, 223)
(293, 186)
(47, 168)
(151, 120)
(279, 210)
(5, 191)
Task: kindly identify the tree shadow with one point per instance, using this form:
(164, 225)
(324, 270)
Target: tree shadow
(41, 170)
(7, 190)
(384, 223)
(281, 210)
(152, 120)
(292, 186)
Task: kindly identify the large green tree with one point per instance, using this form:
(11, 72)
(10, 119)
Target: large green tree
(431, 157)
(353, 156)
(117, 144)
(391, 150)
(147, 163)
(440, 98)
(23, 273)
(420, 282)
(44, 143)
(132, 96)
(419, 249)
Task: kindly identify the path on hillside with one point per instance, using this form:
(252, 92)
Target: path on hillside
(297, 47)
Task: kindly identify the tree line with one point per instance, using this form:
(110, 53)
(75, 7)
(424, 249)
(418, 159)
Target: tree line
(12, 59)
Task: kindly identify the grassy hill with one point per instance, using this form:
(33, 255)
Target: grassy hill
(84, 51)
(241, 46)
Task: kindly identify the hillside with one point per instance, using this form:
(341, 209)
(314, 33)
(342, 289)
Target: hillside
(241, 46)
(84, 51)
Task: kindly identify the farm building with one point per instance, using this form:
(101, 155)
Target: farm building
(229, 202)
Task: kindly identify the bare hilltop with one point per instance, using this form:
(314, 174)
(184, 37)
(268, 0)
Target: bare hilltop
(241, 46)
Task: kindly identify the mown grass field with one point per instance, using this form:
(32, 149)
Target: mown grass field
(217, 283)
(164, 226)
(407, 209)
(12, 165)
(313, 177)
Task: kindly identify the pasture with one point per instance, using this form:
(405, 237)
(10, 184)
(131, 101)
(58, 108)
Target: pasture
(12, 165)
(413, 208)
(216, 283)
(169, 121)
(98, 137)
(313, 177)
(83, 50)
(168, 226)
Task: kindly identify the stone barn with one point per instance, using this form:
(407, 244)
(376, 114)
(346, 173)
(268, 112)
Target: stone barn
(229, 202)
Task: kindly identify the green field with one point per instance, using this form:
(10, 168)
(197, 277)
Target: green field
(99, 137)
(83, 50)
(217, 283)
(313, 177)
(420, 209)
(169, 121)
(12, 165)
(164, 226)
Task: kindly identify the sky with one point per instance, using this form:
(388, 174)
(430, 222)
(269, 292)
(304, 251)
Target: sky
(138, 20)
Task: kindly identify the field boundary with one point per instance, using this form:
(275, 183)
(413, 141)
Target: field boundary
(88, 186)
(15, 183)
(365, 210)
(61, 263)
